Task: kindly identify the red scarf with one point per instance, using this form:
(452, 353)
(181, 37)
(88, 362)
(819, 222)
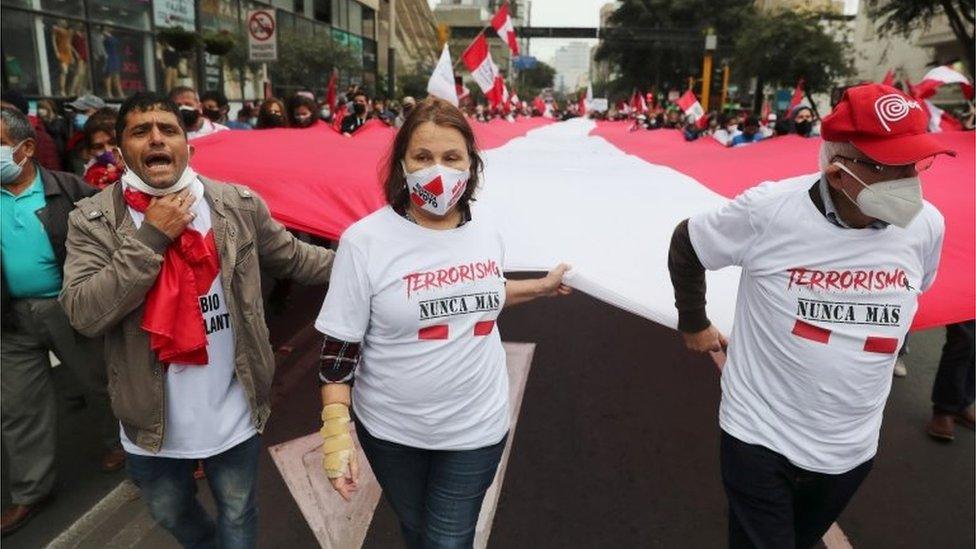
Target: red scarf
(172, 315)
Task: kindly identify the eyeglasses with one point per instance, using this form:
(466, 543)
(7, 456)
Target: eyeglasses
(920, 166)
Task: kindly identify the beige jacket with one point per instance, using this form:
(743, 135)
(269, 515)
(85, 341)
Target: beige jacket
(110, 266)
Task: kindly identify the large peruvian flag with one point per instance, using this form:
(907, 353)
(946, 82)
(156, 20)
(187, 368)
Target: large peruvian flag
(502, 23)
(538, 188)
(477, 58)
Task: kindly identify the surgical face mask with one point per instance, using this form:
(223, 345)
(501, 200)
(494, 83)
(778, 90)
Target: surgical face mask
(10, 170)
(79, 120)
(253, 121)
(324, 114)
(897, 201)
(436, 189)
(189, 116)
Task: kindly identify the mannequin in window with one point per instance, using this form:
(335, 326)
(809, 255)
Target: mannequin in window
(113, 64)
(79, 45)
(61, 35)
(169, 59)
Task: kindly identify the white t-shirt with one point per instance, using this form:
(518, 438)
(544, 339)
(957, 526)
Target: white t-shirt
(820, 316)
(207, 128)
(207, 411)
(424, 303)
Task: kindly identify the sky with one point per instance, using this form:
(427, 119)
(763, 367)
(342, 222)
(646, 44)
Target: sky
(577, 13)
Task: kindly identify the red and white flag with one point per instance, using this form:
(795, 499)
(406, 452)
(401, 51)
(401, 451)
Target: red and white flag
(939, 120)
(798, 96)
(502, 23)
(938, 77)
(477, 59)
(689, 103)
(637, 102)
(498, 94)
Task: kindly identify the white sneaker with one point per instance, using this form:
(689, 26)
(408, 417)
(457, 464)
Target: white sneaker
(900, 369)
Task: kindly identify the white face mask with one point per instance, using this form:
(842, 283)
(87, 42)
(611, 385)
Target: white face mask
(436, 189)
(897, 201)
(130, 179)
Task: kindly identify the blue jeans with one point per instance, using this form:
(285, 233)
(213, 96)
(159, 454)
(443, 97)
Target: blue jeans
(170, 492)
(436, 494)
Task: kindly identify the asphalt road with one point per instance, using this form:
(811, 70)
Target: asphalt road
(617, 446)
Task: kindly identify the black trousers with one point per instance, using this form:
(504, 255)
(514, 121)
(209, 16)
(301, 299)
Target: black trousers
(954, 389)
(774, 504)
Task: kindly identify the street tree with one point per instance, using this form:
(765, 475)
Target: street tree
(902, 17)
(659, 43)
(532, 81)
(783, 46)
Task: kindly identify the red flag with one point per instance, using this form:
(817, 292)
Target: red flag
(938, 77)
(797, 96)
(889, 78)
(502, 24)
(330, 93)
(538, 104)
(638, 103)
(581, 104)
(337, 116)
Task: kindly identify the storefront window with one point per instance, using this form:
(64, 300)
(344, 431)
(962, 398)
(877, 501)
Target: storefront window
(369, 55)
(122, 62)
(19, 44)
(369, 23)
(355, 23)
(125, 13)
(67, 54)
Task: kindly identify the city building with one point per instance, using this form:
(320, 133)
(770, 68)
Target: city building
(113, 48)
(415, 44)
(910, 57)
(602, 71)
(478, 14)
(572, 64)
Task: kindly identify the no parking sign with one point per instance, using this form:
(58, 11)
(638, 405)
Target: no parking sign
(262, 35)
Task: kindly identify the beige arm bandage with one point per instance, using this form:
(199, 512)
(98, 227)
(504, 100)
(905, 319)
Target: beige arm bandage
(337, 443)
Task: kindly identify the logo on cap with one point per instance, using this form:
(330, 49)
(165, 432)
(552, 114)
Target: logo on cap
(892, 108)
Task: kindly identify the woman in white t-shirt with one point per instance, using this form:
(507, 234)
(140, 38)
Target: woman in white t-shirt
(415, 292)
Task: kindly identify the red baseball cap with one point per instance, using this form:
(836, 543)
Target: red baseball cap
(883, 123)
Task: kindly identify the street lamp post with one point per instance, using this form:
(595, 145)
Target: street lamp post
(711, 42)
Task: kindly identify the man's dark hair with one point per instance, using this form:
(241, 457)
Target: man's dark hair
(751, 120)
(216, 96)
(246, 111)
(357, 93)
(180, 90)
(142, 102)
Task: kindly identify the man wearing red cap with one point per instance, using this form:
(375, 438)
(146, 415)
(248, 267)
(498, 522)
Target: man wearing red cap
(831, 273)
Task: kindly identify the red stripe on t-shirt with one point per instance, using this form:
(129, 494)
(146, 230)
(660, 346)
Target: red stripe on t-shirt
(433, 332)
(886, 345)
(811, 332)
(484, 328)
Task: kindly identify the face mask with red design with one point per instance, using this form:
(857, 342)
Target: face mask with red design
(436, 189)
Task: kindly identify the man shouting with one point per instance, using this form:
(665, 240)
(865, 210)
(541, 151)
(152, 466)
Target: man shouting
(166, 266)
